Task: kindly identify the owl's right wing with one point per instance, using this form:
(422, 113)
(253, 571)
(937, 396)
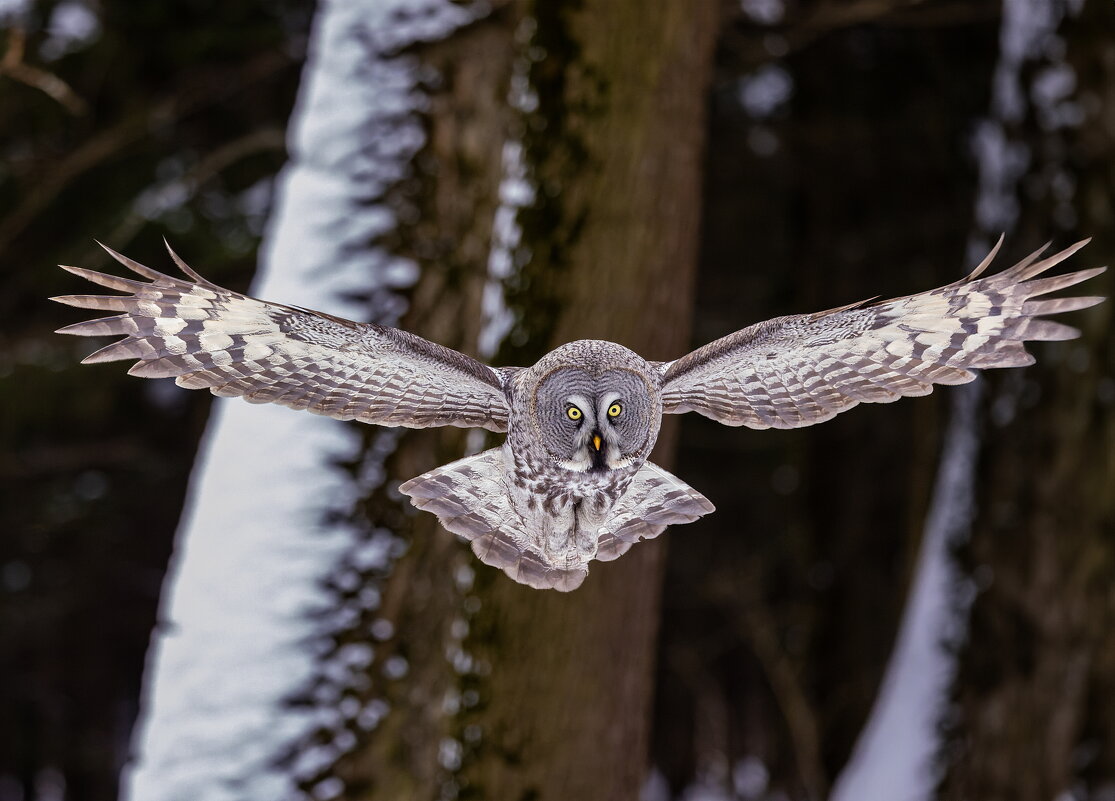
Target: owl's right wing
(207, 337)
(800, 370)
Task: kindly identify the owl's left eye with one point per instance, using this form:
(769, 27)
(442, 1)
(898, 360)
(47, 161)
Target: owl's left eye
(615, 410)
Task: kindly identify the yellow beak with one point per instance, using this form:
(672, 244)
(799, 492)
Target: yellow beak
(596, 441)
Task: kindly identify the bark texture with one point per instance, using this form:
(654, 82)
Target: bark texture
(1034, 713)
(615, 148)
(448, 207)
(780, 609)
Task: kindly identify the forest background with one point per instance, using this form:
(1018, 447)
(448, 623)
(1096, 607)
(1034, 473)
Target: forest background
(914, 596)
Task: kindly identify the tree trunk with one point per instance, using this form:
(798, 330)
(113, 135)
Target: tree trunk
(549, 695)
(781, 608)
(1035, 701)
(450, 202)
(614, 149)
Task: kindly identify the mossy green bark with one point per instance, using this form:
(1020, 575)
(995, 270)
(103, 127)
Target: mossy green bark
(614, 149)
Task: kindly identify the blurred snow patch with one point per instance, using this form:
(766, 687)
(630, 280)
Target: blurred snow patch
(72, 24)
(750, 778)
(514, 193)
(765, 91)
(14, 11)
(764, 12)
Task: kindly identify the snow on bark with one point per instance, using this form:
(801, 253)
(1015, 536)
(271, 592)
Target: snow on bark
(243, 599)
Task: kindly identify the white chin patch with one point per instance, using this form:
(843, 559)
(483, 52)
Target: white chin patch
(620, 463)
(577, 465)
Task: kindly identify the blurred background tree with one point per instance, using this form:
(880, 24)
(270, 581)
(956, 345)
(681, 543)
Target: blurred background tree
(840, 161)
(122, 121)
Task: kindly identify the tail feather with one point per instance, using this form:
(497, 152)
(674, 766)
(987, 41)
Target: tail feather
(656, 499)
(471, 499)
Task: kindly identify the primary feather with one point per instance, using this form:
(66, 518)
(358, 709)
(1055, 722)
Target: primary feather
(207, 337)
(804, 369)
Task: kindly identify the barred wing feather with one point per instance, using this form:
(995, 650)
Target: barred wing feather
(236, 346)
(804, 369)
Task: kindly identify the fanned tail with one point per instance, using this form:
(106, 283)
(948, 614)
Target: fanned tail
(470, 498)
(656, 499)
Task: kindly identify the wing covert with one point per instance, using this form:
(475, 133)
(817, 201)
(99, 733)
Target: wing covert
(207, 337)
(803, 369)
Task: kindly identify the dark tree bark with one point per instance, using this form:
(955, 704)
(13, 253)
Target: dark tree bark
(564, 711)
(553, 699)
(1035, 699)
(93, 463)
(781, 609)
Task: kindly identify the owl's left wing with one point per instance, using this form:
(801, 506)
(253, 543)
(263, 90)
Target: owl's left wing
(207, 337)
(800, 370)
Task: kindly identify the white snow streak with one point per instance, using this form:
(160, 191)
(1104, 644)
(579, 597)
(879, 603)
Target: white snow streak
(14, 11)
(894, 758)
(252, 546)
(515, 192)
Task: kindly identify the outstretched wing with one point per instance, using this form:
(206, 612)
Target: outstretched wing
(236, 346)
(800, 370)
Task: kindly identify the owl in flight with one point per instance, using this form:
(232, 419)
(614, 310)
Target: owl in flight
(572, 483)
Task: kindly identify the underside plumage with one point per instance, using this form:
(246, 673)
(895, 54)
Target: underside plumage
(474, 499)
(804, 369)
(208, 337)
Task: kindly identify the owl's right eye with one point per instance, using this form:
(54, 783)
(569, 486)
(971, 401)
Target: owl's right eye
(573, 413)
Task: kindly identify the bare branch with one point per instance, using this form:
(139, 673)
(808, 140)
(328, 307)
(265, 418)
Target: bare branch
(50, 84)
(259, 141)
(111, 141)
(757, 627)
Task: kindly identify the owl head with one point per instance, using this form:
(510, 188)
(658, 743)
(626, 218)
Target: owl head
(595, 406)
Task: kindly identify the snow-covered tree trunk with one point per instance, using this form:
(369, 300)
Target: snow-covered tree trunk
(487, 688)
(251, 689)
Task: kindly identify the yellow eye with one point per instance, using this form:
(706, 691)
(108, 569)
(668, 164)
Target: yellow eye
(614, 410)
(573, 413)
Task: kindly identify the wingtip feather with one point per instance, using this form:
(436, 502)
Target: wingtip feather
(1028, 267)
(124, 349)
(101, 327)
(1043, 286)
(105, 279)
(95, 302)
(185, 268)
(133, 265)
(990, 257)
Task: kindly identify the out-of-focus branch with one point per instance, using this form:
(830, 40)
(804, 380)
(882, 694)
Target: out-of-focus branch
(187, 185)
(13, 65)
(807, 25)
(202, 93)
(757, 627)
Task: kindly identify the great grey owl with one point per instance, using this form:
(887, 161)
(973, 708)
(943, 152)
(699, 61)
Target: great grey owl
(572, 483)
